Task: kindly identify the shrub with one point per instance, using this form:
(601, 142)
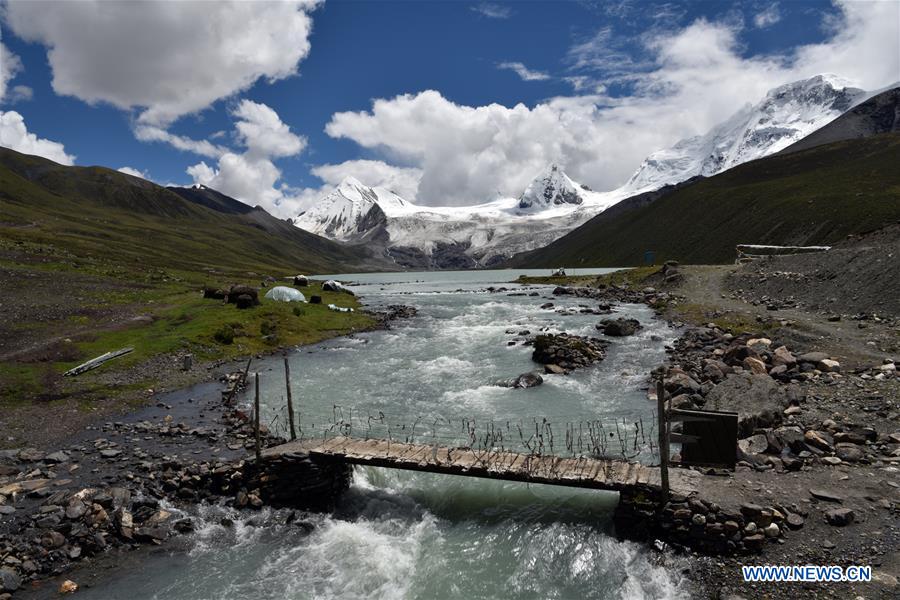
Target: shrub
(225, 334)
(267, 328)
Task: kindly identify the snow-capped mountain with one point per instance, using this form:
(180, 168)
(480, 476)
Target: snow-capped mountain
(553, 203)
(551, 189)
(441, 237)
(787, 114)
(352, 209)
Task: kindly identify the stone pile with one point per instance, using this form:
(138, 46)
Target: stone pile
(765, 384)
(702, 526)
(562, 353)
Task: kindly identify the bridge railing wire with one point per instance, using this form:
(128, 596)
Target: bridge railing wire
(560, 435)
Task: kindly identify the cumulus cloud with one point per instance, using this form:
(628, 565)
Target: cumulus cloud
(767, 17)
(10, 66)
(493, 10)
(523, 72)
(261, 130)
(165, 59)
(686, 81)
(251, 176)
(14, 134)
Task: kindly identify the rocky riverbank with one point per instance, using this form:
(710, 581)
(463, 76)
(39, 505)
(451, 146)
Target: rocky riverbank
(818, 400)
(131, 483)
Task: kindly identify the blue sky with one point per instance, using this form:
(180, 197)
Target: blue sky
(601, 84)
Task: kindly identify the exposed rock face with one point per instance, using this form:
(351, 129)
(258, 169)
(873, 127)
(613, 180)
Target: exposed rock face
(568, 351)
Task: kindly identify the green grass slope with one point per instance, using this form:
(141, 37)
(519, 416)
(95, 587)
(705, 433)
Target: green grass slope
(812, 197)
(100, 213)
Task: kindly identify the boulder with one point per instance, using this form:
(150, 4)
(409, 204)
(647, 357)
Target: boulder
(812, 357)
(783, 356)
(755, 366)
(758, 400)
(336, 286)
(678, 382)
(315, 299)
(755, 444)
(619, 327)
(829, 366)
(525, 380)
(554, 370)
(301, 280)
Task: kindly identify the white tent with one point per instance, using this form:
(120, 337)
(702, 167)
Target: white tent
(282, 293)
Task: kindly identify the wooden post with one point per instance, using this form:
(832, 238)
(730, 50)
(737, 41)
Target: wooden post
(663, 422)
(256, 420)
(243, 381)
(290, 402)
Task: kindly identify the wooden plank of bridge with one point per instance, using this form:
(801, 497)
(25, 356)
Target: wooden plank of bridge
(573, 471)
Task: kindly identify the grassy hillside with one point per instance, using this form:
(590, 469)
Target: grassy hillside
(97, 212)
(93, 260)
(816, 196)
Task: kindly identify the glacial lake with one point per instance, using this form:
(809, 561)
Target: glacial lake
(406, 535)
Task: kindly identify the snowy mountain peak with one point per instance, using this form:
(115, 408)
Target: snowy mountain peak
(551, 188)
(351, 210)
(787, 114)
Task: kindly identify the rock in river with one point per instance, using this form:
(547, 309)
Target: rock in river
(619, 327)
(568, 351)
(525, 380)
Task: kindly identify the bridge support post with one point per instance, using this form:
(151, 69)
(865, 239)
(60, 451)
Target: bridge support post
(256, 420)
(290, 402)
(663, 425)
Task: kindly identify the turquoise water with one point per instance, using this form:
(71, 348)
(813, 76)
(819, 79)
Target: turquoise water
(410, 535)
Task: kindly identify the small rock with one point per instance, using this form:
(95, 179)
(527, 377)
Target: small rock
(9, 580)
(839, 517)
(827, 495)
(795, 521)
(68, 587)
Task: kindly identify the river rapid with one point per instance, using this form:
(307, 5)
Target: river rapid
(407, 535)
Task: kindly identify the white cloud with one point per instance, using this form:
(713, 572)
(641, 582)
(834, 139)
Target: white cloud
(767, 17)
(166, 59)
(133, 172)
(684, 82)
(10, 66)
(14, 134)
(523, 72)
(263, 133)
(150, 133)
(251, 176)
(374, 173)
(493, 10)
(19, 93)
(249, 180)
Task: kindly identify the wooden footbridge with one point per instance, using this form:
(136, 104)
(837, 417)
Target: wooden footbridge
(581, 472)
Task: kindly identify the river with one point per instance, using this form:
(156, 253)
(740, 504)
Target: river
(408, 535)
